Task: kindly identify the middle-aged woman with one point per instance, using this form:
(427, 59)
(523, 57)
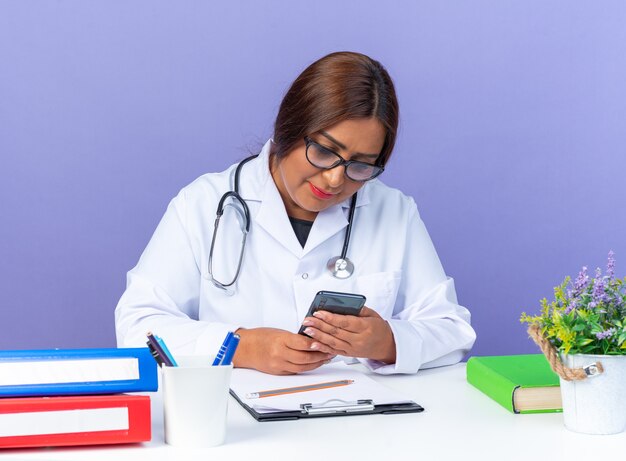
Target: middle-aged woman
(312, 185)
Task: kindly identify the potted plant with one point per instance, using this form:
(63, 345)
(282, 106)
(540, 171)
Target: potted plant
(582, 332)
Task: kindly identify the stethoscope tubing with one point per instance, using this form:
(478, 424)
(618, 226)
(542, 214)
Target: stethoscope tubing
(346, 240)
(235, 195)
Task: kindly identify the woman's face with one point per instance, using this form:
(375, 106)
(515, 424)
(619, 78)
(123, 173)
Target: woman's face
(305, 189)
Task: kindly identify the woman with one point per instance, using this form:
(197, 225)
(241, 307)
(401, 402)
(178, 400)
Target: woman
(334, 133)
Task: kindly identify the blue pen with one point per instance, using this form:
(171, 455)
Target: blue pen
(222, 351)
(166, 351)
(230, 350)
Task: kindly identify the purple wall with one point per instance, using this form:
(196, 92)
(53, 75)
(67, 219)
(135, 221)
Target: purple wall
(512, 138)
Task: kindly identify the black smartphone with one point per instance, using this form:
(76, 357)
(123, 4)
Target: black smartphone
(335, 302)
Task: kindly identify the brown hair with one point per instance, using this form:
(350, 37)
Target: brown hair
(337, 87)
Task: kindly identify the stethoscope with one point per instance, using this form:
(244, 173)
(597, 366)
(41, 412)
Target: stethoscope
(339, 266)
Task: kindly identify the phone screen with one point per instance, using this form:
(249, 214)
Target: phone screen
(337, 303)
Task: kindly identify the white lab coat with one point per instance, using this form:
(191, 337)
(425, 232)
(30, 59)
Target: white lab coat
(396, 268)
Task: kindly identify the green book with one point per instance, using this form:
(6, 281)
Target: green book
(520, 383)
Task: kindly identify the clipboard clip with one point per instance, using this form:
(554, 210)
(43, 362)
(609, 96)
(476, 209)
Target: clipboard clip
(341, 407)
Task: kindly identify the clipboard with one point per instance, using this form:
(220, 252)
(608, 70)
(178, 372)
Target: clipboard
(364, 396)
(336, 408)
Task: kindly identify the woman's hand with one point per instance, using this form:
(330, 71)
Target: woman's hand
(367, 336)
(278, 352)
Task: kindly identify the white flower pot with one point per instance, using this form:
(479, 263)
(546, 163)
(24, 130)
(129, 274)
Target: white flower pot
(596, 405)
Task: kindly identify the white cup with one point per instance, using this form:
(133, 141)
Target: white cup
(195, 402)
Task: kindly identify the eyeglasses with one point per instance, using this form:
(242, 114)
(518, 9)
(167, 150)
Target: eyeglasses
(324, 158)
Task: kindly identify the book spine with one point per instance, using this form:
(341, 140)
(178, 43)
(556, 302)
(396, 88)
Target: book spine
(25, 422)
(491, 383)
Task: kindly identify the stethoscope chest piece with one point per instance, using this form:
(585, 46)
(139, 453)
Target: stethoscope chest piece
(339, 267)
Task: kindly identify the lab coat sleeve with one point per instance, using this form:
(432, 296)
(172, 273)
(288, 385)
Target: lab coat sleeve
(430, 328)
(162, 293)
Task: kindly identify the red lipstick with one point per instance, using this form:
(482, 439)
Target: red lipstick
(319, 193)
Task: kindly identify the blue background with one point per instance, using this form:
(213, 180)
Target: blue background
(511, 139)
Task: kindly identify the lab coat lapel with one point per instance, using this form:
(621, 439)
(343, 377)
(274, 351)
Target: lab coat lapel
(272, 217)
(327, 223)
(333, 220)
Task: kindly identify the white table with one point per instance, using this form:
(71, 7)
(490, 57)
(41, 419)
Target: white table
(459, 423)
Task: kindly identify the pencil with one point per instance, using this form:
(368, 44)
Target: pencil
(293, 390)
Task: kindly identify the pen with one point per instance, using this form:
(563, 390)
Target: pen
(155, 354)
(293, 390)
(222, 351)
(166, 351)
(230, 350)
(160, 352)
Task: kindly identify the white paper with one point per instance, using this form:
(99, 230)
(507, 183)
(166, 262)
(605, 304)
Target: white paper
(63, 421)
(245, 381)
(16, 373)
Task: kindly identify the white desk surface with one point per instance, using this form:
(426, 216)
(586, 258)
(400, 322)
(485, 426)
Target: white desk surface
(459, 422)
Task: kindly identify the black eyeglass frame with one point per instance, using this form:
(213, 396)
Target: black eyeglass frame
(340, 161)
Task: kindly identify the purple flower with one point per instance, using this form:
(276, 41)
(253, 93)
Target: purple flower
(581, 282)
(599, 288)
(571, 306)
(605, 334)
(610, 266)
